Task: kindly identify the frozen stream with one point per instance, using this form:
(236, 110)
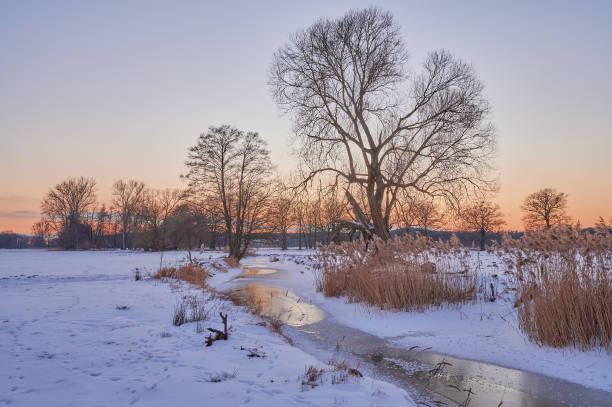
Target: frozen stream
(455, 379)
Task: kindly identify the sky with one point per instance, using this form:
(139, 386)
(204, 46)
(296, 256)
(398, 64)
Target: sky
(119, 90)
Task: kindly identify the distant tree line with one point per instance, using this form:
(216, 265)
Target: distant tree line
(138, 217)
(11, 240)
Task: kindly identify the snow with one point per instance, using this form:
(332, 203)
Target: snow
(76, 329)
(485, 331)
(64, 339)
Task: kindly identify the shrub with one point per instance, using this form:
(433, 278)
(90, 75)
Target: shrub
(564, 286)
(407, 273)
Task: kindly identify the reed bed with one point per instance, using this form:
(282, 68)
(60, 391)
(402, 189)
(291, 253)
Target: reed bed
(407, 273)
(564, 286)
(189, 272)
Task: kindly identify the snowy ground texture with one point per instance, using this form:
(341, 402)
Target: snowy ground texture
(76, 330)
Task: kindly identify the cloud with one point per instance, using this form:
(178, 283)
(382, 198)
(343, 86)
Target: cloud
(17, 199)
(20, 214)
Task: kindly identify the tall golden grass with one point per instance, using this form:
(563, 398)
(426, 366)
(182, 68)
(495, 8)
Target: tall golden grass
(406, 273)
(564, 286)
(190, 273)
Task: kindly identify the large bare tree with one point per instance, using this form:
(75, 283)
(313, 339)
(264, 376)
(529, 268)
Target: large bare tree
(363, 117)
(233, 168)
(127, 197)
(66, 205)
(544, 209)
(482, 217)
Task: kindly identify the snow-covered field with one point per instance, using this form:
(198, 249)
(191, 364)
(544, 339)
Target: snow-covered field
(77, 330)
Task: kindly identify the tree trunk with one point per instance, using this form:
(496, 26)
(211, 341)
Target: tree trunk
(235, 248)
(482, 239)
(123, 233)
(378, 220)
(284, 240)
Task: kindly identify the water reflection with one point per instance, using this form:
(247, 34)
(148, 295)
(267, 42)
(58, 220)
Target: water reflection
(281, 304)
(470, 390)
(254, 271)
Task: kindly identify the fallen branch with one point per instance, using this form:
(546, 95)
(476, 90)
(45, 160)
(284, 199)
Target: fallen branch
(218, 334)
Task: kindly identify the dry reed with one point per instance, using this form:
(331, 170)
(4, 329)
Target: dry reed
(564, 286)
(190, 273)
(407, 273)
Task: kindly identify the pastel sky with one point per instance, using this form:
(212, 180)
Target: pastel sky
(121, 89)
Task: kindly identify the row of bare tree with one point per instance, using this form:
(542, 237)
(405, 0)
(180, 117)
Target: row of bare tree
(137, 217)
(233, 201)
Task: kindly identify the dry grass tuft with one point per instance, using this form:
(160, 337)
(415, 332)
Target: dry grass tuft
(337, 372)
(222, 376)
(342, 371)
(276, 325)
(312, 377)
(190, 309)
(232, 261)
(190, 273)
(219, 266)
(407, 273)
(564, 295)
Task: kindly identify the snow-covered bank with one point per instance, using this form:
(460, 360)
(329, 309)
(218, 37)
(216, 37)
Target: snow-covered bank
(65, 340)
(485, 331)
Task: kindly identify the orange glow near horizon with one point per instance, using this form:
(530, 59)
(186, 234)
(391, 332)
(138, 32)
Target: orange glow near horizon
(19, 215)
